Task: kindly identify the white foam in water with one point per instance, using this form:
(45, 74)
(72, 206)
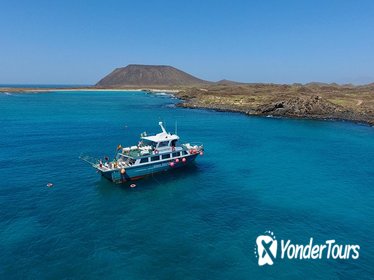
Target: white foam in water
(162, 94)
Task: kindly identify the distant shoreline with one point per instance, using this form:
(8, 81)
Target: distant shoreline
(46, 90)
(355, 104)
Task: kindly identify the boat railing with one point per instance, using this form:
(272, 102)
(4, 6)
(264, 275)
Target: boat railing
(194, 145)
(89, 159)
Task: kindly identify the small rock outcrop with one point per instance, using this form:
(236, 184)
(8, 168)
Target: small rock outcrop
(300, 106)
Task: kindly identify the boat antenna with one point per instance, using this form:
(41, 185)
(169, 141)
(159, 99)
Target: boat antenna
(176, 127)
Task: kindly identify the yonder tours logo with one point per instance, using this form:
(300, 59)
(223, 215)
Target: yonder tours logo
(266, 249)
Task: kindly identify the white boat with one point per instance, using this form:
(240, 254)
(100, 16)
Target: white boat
(154, 153)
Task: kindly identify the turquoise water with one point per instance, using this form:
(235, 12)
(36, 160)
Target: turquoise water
(298, 178)
(40, 86)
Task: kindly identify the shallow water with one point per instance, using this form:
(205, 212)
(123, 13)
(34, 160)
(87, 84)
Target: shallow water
(298, 178)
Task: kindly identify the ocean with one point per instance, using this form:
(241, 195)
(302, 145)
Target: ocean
(300, 179)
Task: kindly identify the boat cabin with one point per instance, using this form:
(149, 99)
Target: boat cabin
(161, 146)
(160, 141)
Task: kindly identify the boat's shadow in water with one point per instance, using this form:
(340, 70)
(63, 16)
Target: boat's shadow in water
(153, 180)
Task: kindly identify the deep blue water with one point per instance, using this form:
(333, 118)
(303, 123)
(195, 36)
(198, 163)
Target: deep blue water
(298, 178)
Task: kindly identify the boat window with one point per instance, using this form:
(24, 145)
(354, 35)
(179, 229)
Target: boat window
(163, 144)
(121, 157)
(184, 153)
(165, 156)
(143, 160)
(176, 154)
(149, 143)
(155, 158)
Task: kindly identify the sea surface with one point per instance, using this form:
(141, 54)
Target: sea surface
(297, 178)
(40, 86)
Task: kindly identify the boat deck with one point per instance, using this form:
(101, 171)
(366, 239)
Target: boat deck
(142, 152)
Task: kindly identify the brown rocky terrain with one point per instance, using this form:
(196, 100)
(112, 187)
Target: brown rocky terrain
(354, 103)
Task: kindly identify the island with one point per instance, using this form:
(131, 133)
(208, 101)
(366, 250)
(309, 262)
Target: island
(310, 101)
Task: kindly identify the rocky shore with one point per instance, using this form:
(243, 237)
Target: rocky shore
(350, 103)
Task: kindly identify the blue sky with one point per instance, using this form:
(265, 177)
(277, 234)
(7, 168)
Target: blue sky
(78, 42)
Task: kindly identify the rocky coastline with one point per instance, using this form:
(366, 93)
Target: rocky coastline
(324, 104)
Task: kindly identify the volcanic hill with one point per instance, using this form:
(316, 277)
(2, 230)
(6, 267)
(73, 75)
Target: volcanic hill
(149, 75)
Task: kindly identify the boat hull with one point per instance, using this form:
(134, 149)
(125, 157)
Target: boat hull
(137, 172)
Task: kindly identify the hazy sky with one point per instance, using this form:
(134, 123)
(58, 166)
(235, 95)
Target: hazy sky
(78, 42)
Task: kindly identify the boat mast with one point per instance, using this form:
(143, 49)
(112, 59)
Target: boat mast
(162, 127)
